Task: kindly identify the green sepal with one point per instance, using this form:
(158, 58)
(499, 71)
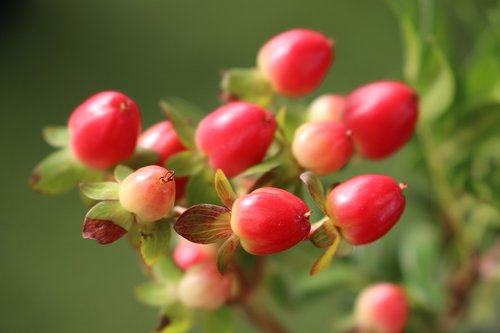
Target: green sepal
(224, 189)
(107, 222)
(218, 321)
(142, 157)
(156, 294)
(225, 254)
(204, 224)
(246, 84)
(324, 234)
(121, 172)
(186, 163)
(200, 188)
(324, 261)
(155, 240)
(100, 190)
(184, 130)
(60, 172)
(56, 136)
(315, 188)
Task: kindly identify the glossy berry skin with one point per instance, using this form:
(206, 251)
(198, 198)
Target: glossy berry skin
(162, 138)
(236, 136)
(382, 116)
(296, 61)
(366, 207)
(269, 220)
(148, 193)
(322, 147)
(203, 287)
(382, 308)
(104, 129)
(329, 107)
(187, 254)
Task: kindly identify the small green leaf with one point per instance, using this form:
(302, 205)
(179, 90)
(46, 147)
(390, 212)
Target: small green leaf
(324, 235)
(106, 222)
(165, 270)
(200, 188)
(261, 168)
(121, 172)
(156, 294)
(186, 163)
(225, 254)
(183, 129)
(246, 84)
(218, 321)
(56, 136)
(315, 188)
(224, 189)
(186, 108)
(141, 158)
(100, 190)
(204, 223)
(326, 258)
(155, 240)
(179, 319)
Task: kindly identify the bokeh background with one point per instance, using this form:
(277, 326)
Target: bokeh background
(56, 53)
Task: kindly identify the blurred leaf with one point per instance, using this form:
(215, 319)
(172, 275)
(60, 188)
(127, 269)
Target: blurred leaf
(100, 190)
(315, 188)
(200, 188)
(141, 158)
(134, 236)
(224, 189)
(182, 127)
(56, 136)
(187, 163)
(155, 240)
(218, 321)
(326, 258)
(156, 294)
(121, 172)
(226, 252)
(166, 270)
(106, 222)
(261, 168)
(180, 319)
(185, 108)
(246, 84)
(324, 235)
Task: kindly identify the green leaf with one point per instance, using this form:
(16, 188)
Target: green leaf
(186, 108)
(121, 172)
(246, 84)
(224, 189)
(263, 167)
(141, 158)
(204, 223)
(218, 321)
(187, 163)
(156, 294)
(225, 255)
(183, 129)
(166, 270)
(324, 235)
(315, 188)
(134, 236)
(56, 136)
(412, 50)
(100, 190)
(326, 258)
(200, 188)
(155, 240)
(106, 222)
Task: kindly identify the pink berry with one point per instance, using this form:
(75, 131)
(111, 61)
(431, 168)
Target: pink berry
(296, 61)
(366, 207)
(322, 147)
(203, 287)
(187, 254)
(149, 193)
(162, 138)
(269, 220)
(382, 117)
(236, 136)
(329, 107)
(382, 308)
(104, 129)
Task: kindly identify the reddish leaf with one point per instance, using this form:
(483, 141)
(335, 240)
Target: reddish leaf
(102, 231)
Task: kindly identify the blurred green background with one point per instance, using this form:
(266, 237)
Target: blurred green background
(56, 53)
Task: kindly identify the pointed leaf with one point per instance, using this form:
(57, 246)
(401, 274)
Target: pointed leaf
(324, 235)
(246, 84)
(261, 168)
(56, 136)
(181, 126)
(204, 224)
(155, 240)
(326, 258)
(106, 222)
(200, 188)
(218, 321)
(224, 189)
(315, 188)
(156, 294)
(121, 172)
(100, 190)
(186, 163)
(188, 109)
(225, 254)
(141, 158)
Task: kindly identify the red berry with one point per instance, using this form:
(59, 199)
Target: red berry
(296, 61)
(236, 136)
(104, 129)
(382, 308)
(187, 254)
(322, 147)
(162, 138)
(382, 117)
(148, 192)
(270, 220)
(329, 107)
(366, 207)
(203, 287)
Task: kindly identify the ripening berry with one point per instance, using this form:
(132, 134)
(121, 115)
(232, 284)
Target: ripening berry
(382, 116)
(162, 138)
(236, 136)
(269, 220)
(203, 287)
(149, 193)
(366, 207)
(104, 129)
(296, 61)
(382, 308)
(187, 254)
(329, 107)
(322, 147)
